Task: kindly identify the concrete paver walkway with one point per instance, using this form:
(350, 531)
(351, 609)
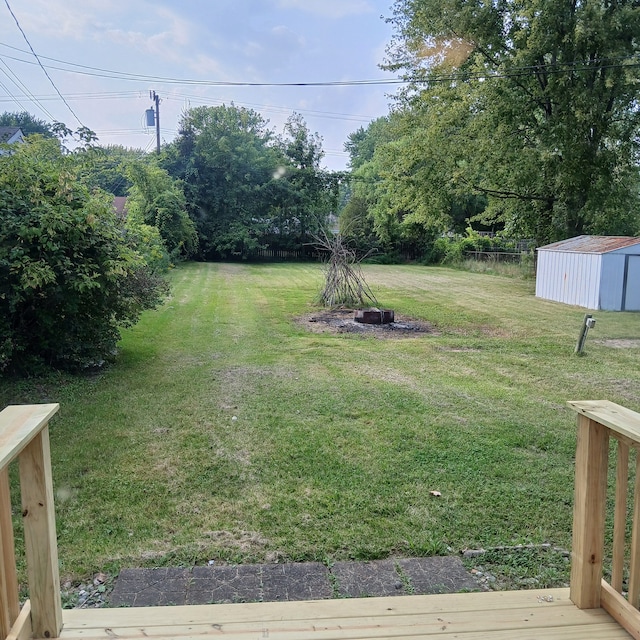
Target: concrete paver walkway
(290, 581)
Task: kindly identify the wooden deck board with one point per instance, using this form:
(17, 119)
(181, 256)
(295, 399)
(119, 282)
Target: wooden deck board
(523, 615)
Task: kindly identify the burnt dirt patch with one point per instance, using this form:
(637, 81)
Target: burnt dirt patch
(342, 321)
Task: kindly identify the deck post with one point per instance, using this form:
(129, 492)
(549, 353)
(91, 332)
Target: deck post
(9, 604)
(592, 455)
(40, 537)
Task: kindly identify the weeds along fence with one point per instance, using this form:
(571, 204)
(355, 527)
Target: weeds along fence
(498, 256)
(524, 259)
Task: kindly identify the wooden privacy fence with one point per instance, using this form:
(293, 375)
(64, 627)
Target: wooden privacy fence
(599, 422)
(24, 434)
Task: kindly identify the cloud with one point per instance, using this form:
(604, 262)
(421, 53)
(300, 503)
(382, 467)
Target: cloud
(153, 30)
(67, 19)
(328, 8)
(220, 40)
(206, 66)
(284, 34)
(162, 32)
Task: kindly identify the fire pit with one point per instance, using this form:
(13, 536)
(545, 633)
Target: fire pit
(374, 316)
(343, 321)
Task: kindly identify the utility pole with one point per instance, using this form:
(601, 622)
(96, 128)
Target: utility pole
(154, 96)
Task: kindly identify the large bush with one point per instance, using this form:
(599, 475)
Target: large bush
(69, 275)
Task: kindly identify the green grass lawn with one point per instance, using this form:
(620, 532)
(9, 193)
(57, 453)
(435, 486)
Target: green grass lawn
(226, 430)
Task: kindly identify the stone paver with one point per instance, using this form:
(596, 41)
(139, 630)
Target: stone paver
(364, 579)
(289, 581)
(149, 587)
(436, 575)
(296, 581)
(209, 585)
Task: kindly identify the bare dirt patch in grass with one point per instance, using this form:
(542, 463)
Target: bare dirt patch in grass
(342, 321)
(243, 540)
(620, 343)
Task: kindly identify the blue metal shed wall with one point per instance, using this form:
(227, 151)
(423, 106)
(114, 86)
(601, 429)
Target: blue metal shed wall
(611, 282)
(632, 298)
(569, 277)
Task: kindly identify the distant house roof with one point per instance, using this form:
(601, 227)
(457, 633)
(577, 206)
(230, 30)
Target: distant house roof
(9, 135)
(592, 244)
(120, 205)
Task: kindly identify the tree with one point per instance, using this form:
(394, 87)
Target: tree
(28, 124)
(302, 194)
(247, 188)
(546, 100)
(416, 197)
(362, 143)
(357, 220)
(226, 159)
(356, 226)
(158, 200)
(106, 168)
(384, 194)
(69, 276)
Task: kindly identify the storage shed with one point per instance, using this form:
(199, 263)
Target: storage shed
(596, 272)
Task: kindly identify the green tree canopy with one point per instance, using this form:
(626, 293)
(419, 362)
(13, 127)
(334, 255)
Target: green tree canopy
(69, 276)
(226, 159)
(106, 167)
(392, 196)
(362, 143)
(301, 195)
(545, 99)
(28, 124)
(246, 187)
(156, 199)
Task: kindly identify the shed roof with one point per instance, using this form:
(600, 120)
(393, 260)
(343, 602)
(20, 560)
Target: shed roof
(592, 244)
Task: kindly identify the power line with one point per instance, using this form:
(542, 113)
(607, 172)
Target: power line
(14, 99)
(121, 75)
(18, 83)
(555, 68)
(115, 95)
(118, 95)
(35, 55)
(517, 72)
(275, 109)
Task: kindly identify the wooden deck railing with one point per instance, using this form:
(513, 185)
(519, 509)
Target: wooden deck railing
(598, 423)
(24, 434)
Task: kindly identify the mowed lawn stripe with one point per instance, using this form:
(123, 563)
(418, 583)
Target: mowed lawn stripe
(227, 430)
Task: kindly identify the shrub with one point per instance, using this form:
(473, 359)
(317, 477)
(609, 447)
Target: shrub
(438, 250)
(69, 277)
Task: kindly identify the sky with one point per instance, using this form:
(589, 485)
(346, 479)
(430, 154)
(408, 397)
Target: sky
(105, 56)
